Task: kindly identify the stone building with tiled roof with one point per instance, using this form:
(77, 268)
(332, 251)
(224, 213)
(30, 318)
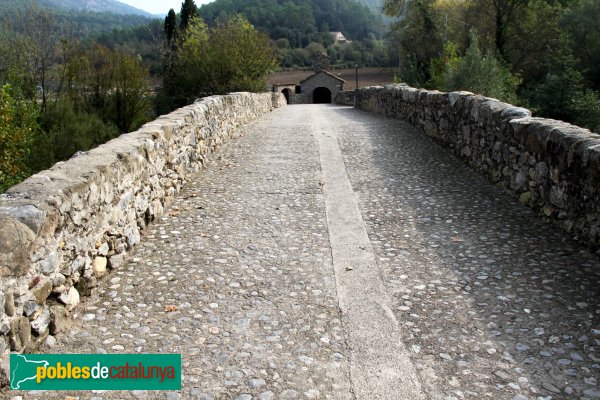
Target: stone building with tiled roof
(320, 87)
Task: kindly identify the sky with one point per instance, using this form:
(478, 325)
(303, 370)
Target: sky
(160, 6)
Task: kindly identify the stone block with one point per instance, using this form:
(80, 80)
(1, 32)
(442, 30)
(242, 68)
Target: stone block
(42, 290)
(50, 263)
(20, 333)
(512, 113)
(30, 309)
(4, 326)
(16, 240)
(116, 261)
(9, 303)
(4, 369)
(29, 215)
(58, 319)
(70, 298)
(41, 323)
(99, 266)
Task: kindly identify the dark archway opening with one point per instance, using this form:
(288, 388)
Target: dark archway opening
(321, 95)
(286, 93)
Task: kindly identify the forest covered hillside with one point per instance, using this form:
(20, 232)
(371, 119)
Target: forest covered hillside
(111, 6)
(376, 5)
(82, 17)
(99, 6)
(300, 21)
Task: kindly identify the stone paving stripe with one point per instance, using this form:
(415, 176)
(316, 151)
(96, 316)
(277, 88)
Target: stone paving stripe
(380, 367)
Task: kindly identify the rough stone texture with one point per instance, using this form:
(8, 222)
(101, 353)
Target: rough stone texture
(42, 290)
(492, 302)
(552, 166)
(56, 223)
(278, 100)
(16, 240)
(238, 275)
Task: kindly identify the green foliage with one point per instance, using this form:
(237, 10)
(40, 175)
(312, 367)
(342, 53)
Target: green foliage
(189, 10)
(553, 46)
(585, 108)
(231, 56)
(241, 57)
(31, 45)
(298, 26)
(185, 74)
(551, 95)
(583, 25)
(143, 41)
(103, 93)
(411, 74)
(299, 22)
(315, 49)
(171, 27)
(77, 20)
(18, 126)
(440, 66)
(562, 92)
(418, 35)
(69, 129)
(111, 84)
(111, 6)
(479, 72)
(375, 5)
(81, 95)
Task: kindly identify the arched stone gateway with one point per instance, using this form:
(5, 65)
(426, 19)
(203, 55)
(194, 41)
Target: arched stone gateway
(286, 92)
(320, 87)
(321, 95)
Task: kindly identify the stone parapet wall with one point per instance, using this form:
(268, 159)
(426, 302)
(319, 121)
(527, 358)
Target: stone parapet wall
(550, 165)
(64, 228)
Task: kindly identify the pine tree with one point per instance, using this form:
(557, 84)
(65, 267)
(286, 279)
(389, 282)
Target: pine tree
(188, 11)
(171, 26)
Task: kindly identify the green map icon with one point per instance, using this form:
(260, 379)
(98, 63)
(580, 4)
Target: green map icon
(23, 369)
(95, 371)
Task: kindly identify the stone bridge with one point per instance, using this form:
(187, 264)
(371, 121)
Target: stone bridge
(325, 252)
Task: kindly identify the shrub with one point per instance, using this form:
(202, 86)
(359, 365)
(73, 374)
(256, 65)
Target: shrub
(585, 109)
(482, 73)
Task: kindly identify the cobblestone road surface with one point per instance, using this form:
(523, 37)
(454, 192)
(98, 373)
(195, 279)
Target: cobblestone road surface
(484, 300)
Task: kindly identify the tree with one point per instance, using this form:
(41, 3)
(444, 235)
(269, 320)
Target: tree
(231, 56)
(185, 76)
(554, 93)
(582, 23)
(586, 110)
(69, 128)
(171, 27)
(418, 31)
(131, 88)
(189, 10)
(18, 126)
(480, 72)
(31, 43)
(505, 12)
(240, 57)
